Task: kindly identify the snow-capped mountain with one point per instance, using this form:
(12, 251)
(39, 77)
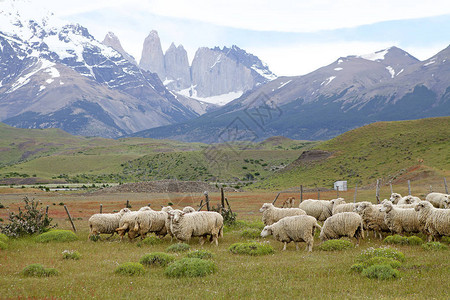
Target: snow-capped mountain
(352, 91)
(54, 74)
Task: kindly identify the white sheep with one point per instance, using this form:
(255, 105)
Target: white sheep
(187, 209)
(152, 221)
(347, 224)
(288, 203)
(372, 218)
(272, 214)
(320, 209)
(105, 223)
(196, 224)
(400, 220)
(293, 229)
(447, 202)
(128, 221)
(344, 207)
(399, 200)
(435, 222)
(438, 200)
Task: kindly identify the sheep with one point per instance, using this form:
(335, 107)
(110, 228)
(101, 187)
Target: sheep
(399, 200)
(347, 224)
(201, 224)
(105, 223)
(187, 209)
(373, 219)
(447, 202)
(272, 214)
(152, 221)
(293, 229)
(128, 221)
(344, 207)
(288, 203)
(435, 222)
(320, 209)
(438, 199)
(400, 220)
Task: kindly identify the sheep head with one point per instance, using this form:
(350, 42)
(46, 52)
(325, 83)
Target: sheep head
(166, 208)
(124, 211)
(446, 201)
(423, 205)
(265, 207)
(337, 201)
(395, 197)
(387, 206)
(176, 215)
(267, 230)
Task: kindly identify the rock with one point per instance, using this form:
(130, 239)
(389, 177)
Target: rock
(178, 74)
(152, 58)
(112, 41)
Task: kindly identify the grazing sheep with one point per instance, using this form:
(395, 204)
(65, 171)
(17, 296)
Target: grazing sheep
(347, 224)
(400, 220)
(344, 207)
(437, 199)
(320, 209)
(435, 222)
(105, 223)
(152, 221)
(399, 200)
(128, 221)
(288, 203)
(372, 218)
(201, 224)
(188, 209)
(272, 214)
(293, 229)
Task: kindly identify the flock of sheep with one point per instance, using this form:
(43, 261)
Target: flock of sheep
(398, 215)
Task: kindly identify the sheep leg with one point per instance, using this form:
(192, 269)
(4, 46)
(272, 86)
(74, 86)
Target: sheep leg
(296, 246)
(201, 240)
(309, 246)
(285, 244)
(110, 236)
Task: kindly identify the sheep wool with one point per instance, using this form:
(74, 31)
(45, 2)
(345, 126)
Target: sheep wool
(372, 218)
(272, 214)
(347, 224)
(105, 223)
(320, 209)
(128, 222)
(293, 229)
(438, 200)
(152, 221)
(345, 207)
(435, 222)
(400, 220)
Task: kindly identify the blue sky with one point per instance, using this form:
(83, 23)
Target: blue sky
(293, 37)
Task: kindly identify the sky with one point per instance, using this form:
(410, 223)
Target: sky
(292, 37)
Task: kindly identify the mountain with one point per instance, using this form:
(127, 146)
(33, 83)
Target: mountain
(112, 41)
(54, 74)
(177, 70)
(351, 92)
(152, 58)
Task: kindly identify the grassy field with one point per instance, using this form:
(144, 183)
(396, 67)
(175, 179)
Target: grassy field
(288, 274)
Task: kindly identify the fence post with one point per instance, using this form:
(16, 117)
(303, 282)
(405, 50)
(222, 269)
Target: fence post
(70, 219)
(301, 193)
(101, 208)
(222, 198)
(128, 204)
(337, 191)
(318, 193)
(46, 211)
(377, 191)
(431, 189)
(207, 200)
(445, 185)
(356, 191)
(392, 190)
(409, 187)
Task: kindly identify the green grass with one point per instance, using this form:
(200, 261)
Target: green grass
(190, 267)
(56, 236)
(3, 238)
(37, 270)
(382, 272)
(251, 248)
(403, 240)
(3, 245)
(251, 233)
(130, 269)
(202, 254)
(434, 246)
(71, 254)
(150, 241)
(179, 247)
(335, 245)
(160, 259)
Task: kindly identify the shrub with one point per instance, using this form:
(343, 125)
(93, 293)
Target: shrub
(434, 246)
(150, 240)
(376, 260)
(383, 252)
(335, 245)
(71, 254)
(241, 224)
(157, 259)
(190, 267)
(414, 240)
(3, 246)
(29, 220)
(251, 248)
(94, 237)
(445, 240)
(3, 238)
(383, 272)
(251, 233)
(37, 270)
(56, 236)
(403, 240)
(180, 247)
(130, 269)
(202, 254)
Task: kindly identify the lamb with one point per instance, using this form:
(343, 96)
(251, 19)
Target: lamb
(437, 199)
(320, 209)
(152, 221)
(435, 222)
(272, 214)
(201, 224)
(399, 200)
(128, 221)
(372, 218)
(293, 229)
(105, 223)
(400, 220)
(347, 224)
(288, 203)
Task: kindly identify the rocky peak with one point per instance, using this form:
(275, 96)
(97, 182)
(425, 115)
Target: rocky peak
(113, 41)
(152, 58)
(178, 75)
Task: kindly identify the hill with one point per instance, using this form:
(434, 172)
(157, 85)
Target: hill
(392, 151)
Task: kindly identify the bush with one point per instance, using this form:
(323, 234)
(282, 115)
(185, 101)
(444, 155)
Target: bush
(130, 269)
(403, 240)
(190, 267)
(434, 246)
(37, 270)
(151, 240)
(414, 240)
(251, 248)
(335, 245)
(383, 272)
(180, 247)
(94, 237)
(29, 220)
(157, 259)
(445, 240)
(383, 252)
(3, 246)
(56, 236)
(377, 260)
(71, 254)
(3, 238)
(240, 224)
(251, 233)
(202, 254)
